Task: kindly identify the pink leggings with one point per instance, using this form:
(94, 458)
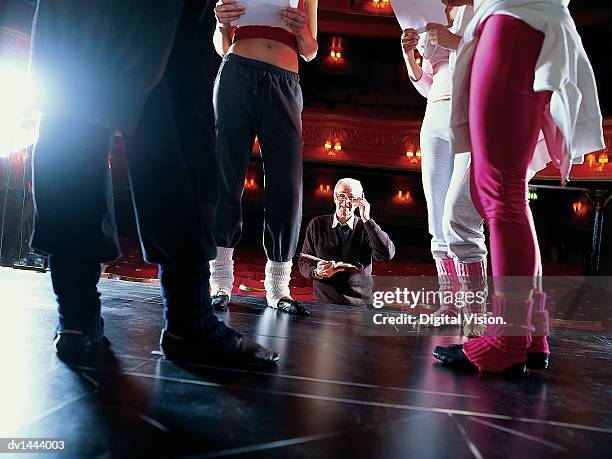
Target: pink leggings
(505, 119)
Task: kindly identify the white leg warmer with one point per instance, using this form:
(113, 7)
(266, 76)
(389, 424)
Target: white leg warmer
(278, 275)
(222, 272)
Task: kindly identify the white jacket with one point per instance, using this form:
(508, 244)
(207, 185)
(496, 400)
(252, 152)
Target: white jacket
(572, 123)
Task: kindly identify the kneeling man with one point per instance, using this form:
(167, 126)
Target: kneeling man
(343, 238)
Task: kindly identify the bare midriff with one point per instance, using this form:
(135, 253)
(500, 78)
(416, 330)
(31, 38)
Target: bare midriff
(266, 50)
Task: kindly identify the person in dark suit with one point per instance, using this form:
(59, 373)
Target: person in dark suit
(145, 67)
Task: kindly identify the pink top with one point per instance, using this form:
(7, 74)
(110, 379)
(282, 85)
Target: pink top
(435, 84)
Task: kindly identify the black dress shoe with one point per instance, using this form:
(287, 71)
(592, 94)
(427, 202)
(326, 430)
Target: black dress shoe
(242, 350)
(72, 346)
(454, 357)
(292, 307)
(537, 360)
(220, 302)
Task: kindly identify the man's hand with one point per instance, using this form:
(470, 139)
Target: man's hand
(296, 19)
(227, 11)
(439, 34)
(326, 269)
(364, 208)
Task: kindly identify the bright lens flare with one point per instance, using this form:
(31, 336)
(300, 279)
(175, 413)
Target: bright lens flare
(18, 126)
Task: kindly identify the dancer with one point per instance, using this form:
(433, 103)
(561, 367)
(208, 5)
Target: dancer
(257, 93)
(457, 229)
(148, 71)
(521, 70)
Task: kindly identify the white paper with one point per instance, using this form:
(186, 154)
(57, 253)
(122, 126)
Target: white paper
(416, 14)
(264, 12)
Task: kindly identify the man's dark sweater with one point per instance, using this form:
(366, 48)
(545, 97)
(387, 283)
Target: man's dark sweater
(366, 241)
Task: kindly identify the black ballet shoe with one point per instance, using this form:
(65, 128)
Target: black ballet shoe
(242, 350)
(537, 361)
(74, 346)
(291, 306)
(454, 357)
(220, 302)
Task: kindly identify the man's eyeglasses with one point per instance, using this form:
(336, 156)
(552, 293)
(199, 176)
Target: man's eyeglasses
(345, 197)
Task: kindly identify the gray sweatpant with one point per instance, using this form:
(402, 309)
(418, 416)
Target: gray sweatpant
(456, 227)
(252, 98)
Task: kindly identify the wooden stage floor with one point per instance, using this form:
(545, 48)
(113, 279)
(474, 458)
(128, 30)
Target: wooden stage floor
(335, 392)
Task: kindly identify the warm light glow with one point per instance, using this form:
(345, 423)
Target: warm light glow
(590, 160)
(335, 52)
(332, 149)
(597, 163)
(324, 189)
(404, 196)
(249, 183)
(579, 208)
(532, 196)
(413, 157)
(380, 3)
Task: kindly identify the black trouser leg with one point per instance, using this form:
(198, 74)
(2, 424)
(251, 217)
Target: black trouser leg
(187, 308)
(235, 119)
(74, 217)
(73, 196)
(74, 284)
(280, 138)
(171, 155)
(173, 171)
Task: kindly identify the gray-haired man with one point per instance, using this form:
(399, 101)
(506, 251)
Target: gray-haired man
(344, 237)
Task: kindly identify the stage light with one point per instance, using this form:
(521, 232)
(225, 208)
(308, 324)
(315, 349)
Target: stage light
(413, 157)
(332, 149)
(403, 197)
(579, 208)
(18, 125)
(335, 53)
(324, 190)
(380, 4)
(249, 183)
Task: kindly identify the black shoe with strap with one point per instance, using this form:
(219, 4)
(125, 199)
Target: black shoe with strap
(454, 357)
(241, 350)
(291, 306)
(537, 360)
(220, 302)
